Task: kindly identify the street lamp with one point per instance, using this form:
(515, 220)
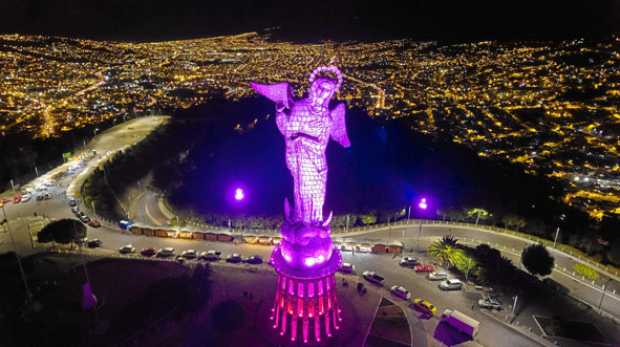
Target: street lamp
(600, 304)
(422, 205)
(239, 194)
(557, 231)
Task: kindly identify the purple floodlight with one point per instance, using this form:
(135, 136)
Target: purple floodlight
(239, 194)
(423, 204)
(306, 259)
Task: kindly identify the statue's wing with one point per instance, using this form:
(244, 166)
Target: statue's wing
(339, 127)
(280, 93)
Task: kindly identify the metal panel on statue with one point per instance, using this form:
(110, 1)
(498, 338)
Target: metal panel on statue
(306, 306)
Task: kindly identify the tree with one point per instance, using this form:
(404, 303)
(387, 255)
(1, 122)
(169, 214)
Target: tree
(62, 231)
(463, 262)
(441, 251)
(478, 213)
(449, 240)
(511, 221)
(537, 260)
(613, 254)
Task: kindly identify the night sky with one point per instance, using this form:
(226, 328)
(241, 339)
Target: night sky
(445, 20)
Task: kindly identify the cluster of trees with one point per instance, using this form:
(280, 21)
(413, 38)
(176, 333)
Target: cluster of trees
(485, 265)
(599, 240)
(63, 231)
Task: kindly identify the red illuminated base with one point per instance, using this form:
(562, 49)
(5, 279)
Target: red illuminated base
(306, 309)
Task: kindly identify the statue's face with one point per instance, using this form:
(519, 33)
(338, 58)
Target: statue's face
(322, 90)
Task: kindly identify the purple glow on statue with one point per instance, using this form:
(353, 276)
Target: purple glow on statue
(307, 125)
(305, 259)
(239, 194)
(423, 204)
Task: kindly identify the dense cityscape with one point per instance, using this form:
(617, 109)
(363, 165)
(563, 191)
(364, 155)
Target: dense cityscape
(551, 107)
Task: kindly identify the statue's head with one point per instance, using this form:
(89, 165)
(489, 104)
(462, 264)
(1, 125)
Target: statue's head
(322, 86)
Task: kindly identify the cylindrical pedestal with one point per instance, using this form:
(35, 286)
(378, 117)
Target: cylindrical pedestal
(306, 308)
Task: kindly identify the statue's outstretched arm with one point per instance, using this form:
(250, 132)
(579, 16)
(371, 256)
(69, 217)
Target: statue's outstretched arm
(338, 131)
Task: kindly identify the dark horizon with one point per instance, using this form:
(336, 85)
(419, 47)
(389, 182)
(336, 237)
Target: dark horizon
(155, 20)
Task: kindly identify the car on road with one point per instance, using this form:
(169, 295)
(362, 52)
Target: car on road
(26, 197)
(347, 268)
(233, 258)
(85, 219)
(400, 292)
(210, 255)
(180, 259)
(254, 259)
(47, 196)
(372, 277)
(94, 223)
(424, 268)
(94, 243)
(40, 197)
(451, 284)
(165, 252)
(75, 210)
(425, 305)
(438, 276)
(408, 262)
(148, 252)
(126, 249)
(265, 240)
(490, 303)
(189, 254)
(72, 202)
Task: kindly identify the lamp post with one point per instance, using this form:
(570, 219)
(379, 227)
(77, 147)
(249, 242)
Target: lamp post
(557, 231)
(600, 304)
(422, 205)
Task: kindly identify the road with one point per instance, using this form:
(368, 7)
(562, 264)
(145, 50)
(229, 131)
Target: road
(511, 247)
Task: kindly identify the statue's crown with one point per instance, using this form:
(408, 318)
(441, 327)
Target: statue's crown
(327, 69)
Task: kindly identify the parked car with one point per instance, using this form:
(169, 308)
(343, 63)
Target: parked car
(425, 305)
(347, 268)
(47, 196)
(437, 276)
(148, 252)
(401, 292)
(165, 252)
(180, 259)
(189, 254)
(371, 276)
(126, 249)
(210, 255)
(451, 284)
(254, 260)
(94, 243)
(490, 303)
(408, 261)
(233, 258)
(26, 197)
(424, 268)
(94, 223)
(265, 240)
